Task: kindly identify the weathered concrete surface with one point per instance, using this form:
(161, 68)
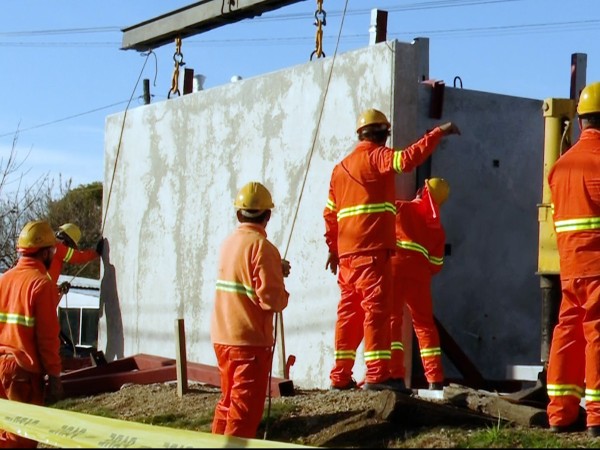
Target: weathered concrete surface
(173, 168)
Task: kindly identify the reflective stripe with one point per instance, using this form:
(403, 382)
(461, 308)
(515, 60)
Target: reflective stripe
(330, 205)
(238, 288)
(17, 319)
(433, 351)
(397, 164)
(397, 345)
(560, 390)
(588, 223)
(592, 395)
(410, 245)
(69, 255)
(345, 354)
(436, 261)
(378, 354)
(366, 209)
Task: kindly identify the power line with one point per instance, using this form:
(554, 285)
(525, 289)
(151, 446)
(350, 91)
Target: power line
(21, 130)
(546, 27)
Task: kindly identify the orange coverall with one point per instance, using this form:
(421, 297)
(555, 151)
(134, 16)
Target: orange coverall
(574, 361)
(66, 254)
(420, 239)
(359, 228)
(250, 289)
(29, 343)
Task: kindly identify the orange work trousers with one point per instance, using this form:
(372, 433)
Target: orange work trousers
(365, 282)
(19, 385)
(416, 295)
(574, 362)
(244, 374)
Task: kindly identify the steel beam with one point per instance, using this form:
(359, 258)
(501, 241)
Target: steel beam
(193, 19)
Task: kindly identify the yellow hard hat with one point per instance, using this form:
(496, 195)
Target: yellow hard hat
(253, 195)
(71, 230)
(439, 189)
(589, 100)
(35, 235)
(372, 117)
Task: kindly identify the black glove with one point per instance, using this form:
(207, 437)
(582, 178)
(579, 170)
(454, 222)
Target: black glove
(100, 246)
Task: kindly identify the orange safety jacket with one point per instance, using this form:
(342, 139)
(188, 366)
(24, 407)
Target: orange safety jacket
(250, 289)
(420, 237)
(360, 211)
(66, 254)
(29, 328)
(576, 206)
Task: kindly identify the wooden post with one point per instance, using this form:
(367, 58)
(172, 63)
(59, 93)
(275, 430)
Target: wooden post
(182, 380)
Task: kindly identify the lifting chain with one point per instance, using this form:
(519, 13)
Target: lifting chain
(320, 22)
(178, 58)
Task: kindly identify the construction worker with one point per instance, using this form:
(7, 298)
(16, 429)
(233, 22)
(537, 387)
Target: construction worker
(420, 239)
(29, 343)
(250, 290)
(574, 360)
(67, 251)
(359, 233)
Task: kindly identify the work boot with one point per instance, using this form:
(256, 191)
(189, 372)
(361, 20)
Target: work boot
(350, 385)
(392, 384)
(572, 428)
(437, 386)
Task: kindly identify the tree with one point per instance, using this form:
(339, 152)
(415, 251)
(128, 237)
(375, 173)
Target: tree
(18, 203)
(83, 207)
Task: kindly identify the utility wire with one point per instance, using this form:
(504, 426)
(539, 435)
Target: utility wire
(33, 127)
(532, 28)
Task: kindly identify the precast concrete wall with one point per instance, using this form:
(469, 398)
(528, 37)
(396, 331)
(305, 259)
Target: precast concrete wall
(173, 168)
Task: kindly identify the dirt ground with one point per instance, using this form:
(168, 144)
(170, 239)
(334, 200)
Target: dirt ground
(312, 417)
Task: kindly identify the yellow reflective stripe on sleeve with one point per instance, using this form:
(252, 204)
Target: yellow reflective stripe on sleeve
(588, 223)
(398, 160)
(17, 319)
(397, 345)
(378, 354)
(330, 205)
(238, 288)
(345, 354)
(366, 209)
(69, 255)
(559, 390)
(429, 352)
(592, 395)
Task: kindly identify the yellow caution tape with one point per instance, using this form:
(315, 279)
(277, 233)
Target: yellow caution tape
(68, 429)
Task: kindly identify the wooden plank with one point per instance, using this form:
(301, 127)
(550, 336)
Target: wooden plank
(408, 410)
(494, 405)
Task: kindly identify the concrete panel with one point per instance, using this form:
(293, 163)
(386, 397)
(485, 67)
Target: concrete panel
(176, 171)
(172, 170)
(487, 296)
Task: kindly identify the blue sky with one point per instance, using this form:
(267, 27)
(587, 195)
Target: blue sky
(63, 71)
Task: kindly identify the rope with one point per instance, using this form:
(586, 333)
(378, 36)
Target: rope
(279, 314)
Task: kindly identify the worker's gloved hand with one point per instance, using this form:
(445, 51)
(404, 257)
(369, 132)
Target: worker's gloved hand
(449, 128)
(100, 246)
(54, 390)
(64, 287)
(332, 263)
(285, 267)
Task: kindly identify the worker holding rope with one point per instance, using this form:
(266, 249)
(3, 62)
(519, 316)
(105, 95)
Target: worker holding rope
(360, 235)
(250, 290)
(67, 251)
